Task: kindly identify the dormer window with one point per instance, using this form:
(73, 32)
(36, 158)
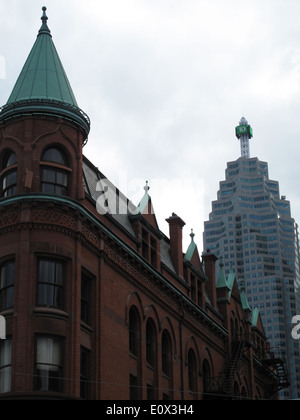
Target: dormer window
(9, 175)
(54, 172)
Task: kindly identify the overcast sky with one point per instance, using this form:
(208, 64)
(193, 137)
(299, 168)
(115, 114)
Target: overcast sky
(165, 82)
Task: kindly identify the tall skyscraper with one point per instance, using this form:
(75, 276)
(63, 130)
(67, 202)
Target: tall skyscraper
(251, 227)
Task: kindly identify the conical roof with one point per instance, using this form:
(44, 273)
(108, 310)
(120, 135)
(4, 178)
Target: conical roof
(43, 84)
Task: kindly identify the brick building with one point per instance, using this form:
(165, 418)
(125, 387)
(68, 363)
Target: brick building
(98, 302)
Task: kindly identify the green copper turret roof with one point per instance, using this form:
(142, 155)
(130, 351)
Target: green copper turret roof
(191, 249)
(221, 281)
(43, 82)
(43, 75)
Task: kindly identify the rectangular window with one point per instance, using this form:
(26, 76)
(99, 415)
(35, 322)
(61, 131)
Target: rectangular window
(5, 365)
(133, 382)
(199, 292)
(9, 184)
(54, 181)
(50, 291)
(150, 393)
(85, 373)
(145, 244)
(193, 288)
(49, 364)
(86, 294)
(153, 252)
(7, 278)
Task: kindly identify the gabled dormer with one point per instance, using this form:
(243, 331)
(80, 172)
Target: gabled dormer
(146, 228)
(193, 273)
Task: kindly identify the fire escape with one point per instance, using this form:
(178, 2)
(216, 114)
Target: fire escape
(238, 348)
(275, 362)
(271, 364)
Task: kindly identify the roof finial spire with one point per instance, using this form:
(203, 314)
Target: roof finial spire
(44, 17)
(44, 29)
(146, 188)
(192, 235)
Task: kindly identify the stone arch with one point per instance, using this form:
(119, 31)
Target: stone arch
(134, 300)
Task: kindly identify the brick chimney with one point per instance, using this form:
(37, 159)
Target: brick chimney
(209, 260)
(175, 225)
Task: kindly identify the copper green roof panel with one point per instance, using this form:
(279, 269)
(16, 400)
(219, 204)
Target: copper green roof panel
(43, 86)
(43, 75)
(255, 316)
(221, 281)
(191, 249)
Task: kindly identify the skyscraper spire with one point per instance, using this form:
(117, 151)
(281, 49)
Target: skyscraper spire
(244, 133)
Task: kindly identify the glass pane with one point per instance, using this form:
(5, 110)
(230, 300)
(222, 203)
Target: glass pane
(11, 160)
(9, 298)
(5, 353)
(11, 178)
(7, 275)
(48, 351)
(48, 364)
(51, 273)
(61, 178)
(60, 190)
(48, 188)
(59, 273)
(48, 175)
(54, 155)
(48, 379)
(58, 297)
(6, 298)
(47, 271)
(5, 366)
(5, 379)
(45, 295)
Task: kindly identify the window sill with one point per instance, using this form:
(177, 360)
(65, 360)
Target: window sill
(86, 327)
(7, 313)
(52, 312)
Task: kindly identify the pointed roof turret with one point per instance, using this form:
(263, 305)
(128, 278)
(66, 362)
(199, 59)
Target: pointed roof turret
(43, 86)
(222, 282)
(191, 249)
(243, 296)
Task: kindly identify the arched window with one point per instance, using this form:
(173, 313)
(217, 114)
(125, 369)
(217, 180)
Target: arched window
(54, 172)
(236, 389)
(192, 370)
(206, 378)
(151, 343)
(244, 393)
(134, 331)
(135, 351)
(9, 175)
(167, 356)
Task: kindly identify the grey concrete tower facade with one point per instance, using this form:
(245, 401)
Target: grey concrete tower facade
(250, 225)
